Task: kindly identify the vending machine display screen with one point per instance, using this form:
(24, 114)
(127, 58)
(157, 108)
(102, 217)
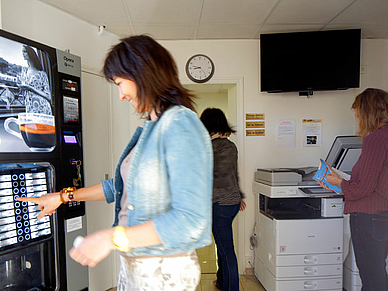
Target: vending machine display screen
(18, 220)
(69, 139)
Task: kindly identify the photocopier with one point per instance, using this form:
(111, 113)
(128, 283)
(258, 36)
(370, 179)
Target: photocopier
(299, 226)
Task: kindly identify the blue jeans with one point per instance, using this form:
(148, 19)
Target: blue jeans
(370, 241)
(227, 273)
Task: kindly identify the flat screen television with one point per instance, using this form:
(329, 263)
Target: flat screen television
(310, 61)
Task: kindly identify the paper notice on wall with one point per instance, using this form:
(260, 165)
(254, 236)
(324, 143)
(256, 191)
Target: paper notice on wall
(311, 132)
(285, 130)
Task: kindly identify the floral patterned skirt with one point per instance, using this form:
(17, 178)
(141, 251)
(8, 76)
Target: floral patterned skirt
(176, 272)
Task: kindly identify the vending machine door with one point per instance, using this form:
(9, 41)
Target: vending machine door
(28, 253)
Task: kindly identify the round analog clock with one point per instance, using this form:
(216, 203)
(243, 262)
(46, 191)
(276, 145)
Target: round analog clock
(199, 68)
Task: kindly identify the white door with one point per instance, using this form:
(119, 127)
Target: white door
(97, 167)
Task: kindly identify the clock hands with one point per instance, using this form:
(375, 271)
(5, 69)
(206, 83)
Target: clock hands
(197, 67)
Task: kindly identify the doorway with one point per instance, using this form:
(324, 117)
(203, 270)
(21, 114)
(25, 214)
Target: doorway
(224, 97)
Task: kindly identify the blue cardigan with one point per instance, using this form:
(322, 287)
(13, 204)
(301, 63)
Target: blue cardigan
(169, 182)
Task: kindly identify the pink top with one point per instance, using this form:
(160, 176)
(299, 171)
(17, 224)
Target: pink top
(367, 189)
(124, 170)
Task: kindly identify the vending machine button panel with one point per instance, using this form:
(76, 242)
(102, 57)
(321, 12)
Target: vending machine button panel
(18, 219)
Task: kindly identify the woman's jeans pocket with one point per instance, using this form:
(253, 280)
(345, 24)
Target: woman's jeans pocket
(380, 226)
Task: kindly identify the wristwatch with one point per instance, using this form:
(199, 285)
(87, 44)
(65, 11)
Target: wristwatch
(120, 239)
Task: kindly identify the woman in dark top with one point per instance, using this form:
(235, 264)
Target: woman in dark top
(227, 197)
(366, 193)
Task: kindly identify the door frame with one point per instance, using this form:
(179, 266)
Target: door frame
(239, 113)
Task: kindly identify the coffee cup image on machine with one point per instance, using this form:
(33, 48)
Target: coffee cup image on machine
(35, 129)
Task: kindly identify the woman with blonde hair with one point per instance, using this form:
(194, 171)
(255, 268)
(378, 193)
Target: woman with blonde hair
(366, 193)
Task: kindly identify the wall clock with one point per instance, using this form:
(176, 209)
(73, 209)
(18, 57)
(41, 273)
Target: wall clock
(199, 68)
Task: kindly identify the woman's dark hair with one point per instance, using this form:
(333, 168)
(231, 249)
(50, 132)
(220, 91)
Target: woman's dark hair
(371, 108)
(144, 61)
(215, 121)
(32, 56)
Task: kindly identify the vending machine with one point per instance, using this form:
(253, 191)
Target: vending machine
(40, 153)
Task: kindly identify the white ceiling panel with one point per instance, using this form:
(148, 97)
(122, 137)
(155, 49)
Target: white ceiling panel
(236, 12)
(167, 32)
(120, 30)
(99, 12)
(379, 34)
(164, 11)
(228, 19)
(226, 31)
(307, 11)
(367, 30)
(365, 11)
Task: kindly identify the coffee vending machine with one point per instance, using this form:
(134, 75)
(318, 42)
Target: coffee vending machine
(40, 152)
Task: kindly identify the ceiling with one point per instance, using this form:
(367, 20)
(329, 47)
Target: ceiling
(228, 19)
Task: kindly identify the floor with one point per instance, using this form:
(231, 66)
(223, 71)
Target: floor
(208, 261)
(247, 283)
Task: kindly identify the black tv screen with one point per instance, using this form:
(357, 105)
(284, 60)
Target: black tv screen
(310, 61)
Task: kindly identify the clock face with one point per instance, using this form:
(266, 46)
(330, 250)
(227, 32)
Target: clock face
(199, 68)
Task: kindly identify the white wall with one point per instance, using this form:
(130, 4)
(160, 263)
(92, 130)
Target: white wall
(234, 59)
(205, 100)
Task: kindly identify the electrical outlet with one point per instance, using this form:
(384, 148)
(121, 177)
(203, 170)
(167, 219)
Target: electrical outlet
(363, 69)
(248, 262)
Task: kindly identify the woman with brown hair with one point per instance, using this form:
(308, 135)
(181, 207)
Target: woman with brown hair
(366, 193)
(162, 186)
(227, 196)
